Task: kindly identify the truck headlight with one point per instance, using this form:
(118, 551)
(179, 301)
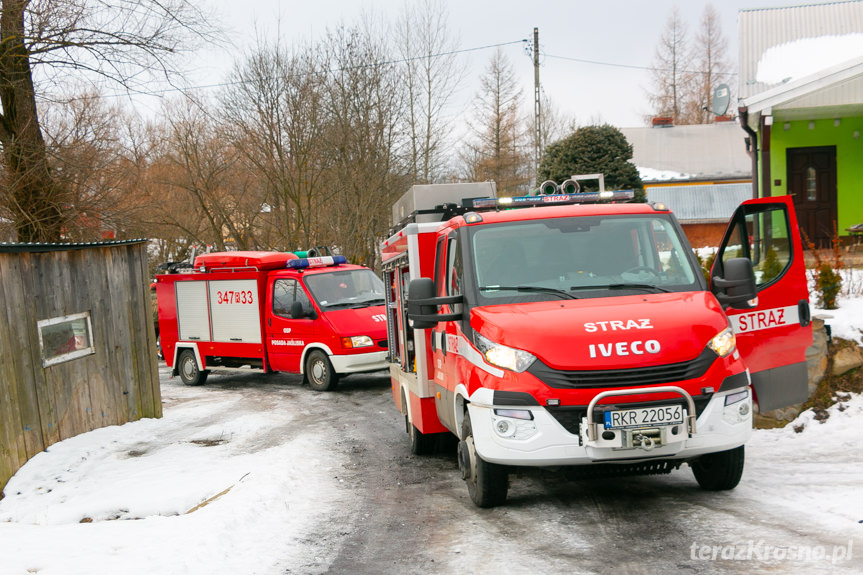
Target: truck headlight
(357, 341)
(502, 356)
(723, 343)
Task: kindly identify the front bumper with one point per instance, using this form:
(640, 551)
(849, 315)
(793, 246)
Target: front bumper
(717, 428)
(358, 362)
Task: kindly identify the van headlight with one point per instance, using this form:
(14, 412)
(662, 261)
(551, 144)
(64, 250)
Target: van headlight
(724, 343)
(509, 358)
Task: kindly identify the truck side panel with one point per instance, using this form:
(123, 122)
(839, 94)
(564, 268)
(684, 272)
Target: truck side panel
(194, 314)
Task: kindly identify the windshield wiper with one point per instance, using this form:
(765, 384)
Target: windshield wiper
(639, 286)
(622, 286)
(559, 292)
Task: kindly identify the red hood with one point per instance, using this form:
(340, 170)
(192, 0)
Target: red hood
(370, 321)
(616, 332)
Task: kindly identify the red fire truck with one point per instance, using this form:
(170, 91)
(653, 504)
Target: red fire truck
(578, 330)
(272, 311)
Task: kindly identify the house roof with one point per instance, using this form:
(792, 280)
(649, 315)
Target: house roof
(802, 62)
(698, 152)
(808, 31)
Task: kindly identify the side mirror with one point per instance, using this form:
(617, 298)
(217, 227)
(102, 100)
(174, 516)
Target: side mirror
(299, 311)
(422, 314)
(737, 288)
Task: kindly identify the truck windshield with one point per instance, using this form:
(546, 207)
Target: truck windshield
(344, 289)
(583, 257)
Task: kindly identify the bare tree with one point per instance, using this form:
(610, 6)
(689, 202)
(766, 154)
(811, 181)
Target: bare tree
(555, 125)
(366, 107)
(120, 41)
(711, 66)
(277, 117)
(432, 74)
(498, 148)
(671, 77)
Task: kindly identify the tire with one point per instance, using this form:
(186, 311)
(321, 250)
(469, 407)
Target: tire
(421, 443)
(190, 373)
(487, 483)
(319, 371)
(719, 471)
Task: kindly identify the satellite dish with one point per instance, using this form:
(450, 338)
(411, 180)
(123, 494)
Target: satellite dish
(721, 99)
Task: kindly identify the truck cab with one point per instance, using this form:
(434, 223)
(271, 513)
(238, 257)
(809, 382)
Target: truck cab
(275, 312)
(578, 330)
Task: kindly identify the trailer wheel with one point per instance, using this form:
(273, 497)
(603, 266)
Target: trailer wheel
(319, 372)
(487, 483)
(719, 471)
(190, 373)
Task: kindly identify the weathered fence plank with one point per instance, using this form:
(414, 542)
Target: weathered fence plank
(118, 382)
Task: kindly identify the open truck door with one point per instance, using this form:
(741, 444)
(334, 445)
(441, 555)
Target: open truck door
(772, 330)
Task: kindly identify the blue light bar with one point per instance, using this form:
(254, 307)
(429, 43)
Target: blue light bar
(553, 199)
(324, 261)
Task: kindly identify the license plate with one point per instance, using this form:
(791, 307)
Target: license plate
(644, 417)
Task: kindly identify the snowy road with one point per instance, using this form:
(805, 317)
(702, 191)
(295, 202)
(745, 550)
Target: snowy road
(325, 483)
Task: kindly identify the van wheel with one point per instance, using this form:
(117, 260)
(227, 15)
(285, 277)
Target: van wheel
(319, 372)
(421, 443)
(719, 471)
(487, 483)
(190, 373)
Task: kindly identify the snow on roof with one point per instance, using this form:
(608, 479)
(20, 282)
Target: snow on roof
(795, 41)
(801, 58)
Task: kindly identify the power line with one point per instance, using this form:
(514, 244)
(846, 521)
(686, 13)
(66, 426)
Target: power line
(372, 65)
(629, 66)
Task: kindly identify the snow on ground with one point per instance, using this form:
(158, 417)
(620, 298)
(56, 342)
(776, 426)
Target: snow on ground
(137, 486)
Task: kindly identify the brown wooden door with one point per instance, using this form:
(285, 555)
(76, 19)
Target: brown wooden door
(812, 184)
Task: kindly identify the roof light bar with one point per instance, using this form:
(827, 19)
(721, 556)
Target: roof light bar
(528, 201)
(324, 261)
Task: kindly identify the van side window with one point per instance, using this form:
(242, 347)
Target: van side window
(285, 293)
(763, 237)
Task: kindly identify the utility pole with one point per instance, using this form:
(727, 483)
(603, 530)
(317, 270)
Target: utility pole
(537, 152)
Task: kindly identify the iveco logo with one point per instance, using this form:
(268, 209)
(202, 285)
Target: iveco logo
(622, 348)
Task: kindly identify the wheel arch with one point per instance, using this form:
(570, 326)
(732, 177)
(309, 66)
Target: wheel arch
(179, 348)
(310, 348)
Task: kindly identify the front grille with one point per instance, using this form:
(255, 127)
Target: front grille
(570, 416)
(636, 376)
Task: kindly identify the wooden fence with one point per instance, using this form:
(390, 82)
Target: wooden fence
(106, 377)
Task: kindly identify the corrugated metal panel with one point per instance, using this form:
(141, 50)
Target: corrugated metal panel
(710, 151)
(762, 29)
(36, 247)
(705, 203)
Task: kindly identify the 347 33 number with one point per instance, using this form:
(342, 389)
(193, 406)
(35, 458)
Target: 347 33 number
(234, 297)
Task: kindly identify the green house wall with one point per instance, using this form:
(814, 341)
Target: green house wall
(848, 139)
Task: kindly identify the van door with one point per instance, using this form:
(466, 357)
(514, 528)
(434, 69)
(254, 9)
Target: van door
(772, 336)
(286, 336)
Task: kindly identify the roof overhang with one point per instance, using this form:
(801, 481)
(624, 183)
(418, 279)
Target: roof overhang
(794, 100)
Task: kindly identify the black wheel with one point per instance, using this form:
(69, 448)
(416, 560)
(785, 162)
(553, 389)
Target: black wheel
(190, 373)
(487, 483)
(319, 371)
(719, 471)
(421, 443)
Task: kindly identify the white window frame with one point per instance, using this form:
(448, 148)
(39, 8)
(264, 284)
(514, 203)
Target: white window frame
(64, 357)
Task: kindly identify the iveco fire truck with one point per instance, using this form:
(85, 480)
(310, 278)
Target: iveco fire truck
(272, 311)
(579, 330)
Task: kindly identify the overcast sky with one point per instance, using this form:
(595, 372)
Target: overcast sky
(593, 51)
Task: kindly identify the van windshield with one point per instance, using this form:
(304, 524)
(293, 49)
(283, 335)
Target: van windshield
(346, 289)
(583, 257)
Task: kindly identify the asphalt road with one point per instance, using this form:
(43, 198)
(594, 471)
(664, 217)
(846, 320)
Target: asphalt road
(410, 514)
